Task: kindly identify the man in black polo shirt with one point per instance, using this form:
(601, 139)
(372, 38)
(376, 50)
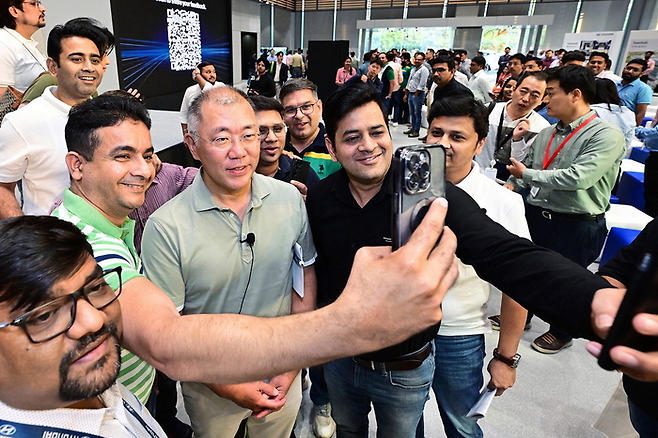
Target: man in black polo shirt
(349, 210)
(443, 75)
(302, 112)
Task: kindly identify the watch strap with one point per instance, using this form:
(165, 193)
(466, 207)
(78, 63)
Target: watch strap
(512, 362)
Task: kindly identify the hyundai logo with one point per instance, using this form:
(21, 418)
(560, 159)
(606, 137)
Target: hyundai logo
(7, 430)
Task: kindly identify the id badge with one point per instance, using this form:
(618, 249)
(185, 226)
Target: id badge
(533, 191)
(491, 173)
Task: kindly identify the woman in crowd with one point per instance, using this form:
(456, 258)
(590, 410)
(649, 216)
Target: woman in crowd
(345, 72)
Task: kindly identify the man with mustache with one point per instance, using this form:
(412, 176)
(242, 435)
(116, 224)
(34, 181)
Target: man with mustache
(20, 60)
(60, 331)
(32, 145)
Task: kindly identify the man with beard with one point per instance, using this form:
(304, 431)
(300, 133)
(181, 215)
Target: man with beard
(20, 60)
(59, 350)
(635, 94)
(205, 77)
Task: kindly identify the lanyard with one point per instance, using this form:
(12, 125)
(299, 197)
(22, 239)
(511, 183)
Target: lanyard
(547, 160)
(499, 133)
(141, 421)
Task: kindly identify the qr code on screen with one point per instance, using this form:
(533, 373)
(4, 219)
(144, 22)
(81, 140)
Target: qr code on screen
(184, 32)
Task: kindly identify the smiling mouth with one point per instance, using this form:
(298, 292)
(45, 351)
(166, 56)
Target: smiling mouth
(369, 158)
(87, 78)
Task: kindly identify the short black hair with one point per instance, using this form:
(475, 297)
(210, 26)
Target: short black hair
(345, 100)
(203, 64)
(599, 54)
(462, 106)
(6, 19)
(36, 252)
(519, 56)
(539, 75)
(639, 61)
(534, 59)
(571, 77)
(297, 84)
(265, 62)
(479, 60)
(443, 60)
(574, 55)
(263, 103)
(83, 28)
(390, 56)
(378, 62)
(108, 109)
(421, 54)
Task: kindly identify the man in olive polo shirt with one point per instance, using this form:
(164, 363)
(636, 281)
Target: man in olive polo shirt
(248, 231)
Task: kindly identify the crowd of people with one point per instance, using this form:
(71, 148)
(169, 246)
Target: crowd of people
(119, 273)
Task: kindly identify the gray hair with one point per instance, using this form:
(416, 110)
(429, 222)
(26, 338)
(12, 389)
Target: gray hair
(220, 96)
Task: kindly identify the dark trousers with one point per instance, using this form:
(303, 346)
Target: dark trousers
(579, 241)
(651, 185)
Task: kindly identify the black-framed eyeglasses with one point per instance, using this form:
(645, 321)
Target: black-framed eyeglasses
(34, 3)
(306, 109)
(278, 130)
(55, 317)
(439, 69)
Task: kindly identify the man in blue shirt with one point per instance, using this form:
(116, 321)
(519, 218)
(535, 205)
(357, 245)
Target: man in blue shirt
(634, 93)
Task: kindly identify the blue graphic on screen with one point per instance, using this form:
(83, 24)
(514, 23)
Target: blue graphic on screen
(159, 46)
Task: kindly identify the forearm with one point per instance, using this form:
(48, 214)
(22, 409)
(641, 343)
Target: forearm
(8, 204)
(512, 323)
(218, 353)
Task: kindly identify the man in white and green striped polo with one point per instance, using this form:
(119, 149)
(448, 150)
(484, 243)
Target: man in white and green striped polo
(110, 170)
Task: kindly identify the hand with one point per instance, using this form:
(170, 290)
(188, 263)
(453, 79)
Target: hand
(282, 383)
(502, 376)
(636, 364)
(364, 78)
(423, 269)
(135, 93)
(259, 397)
(516, 168)
(196, 72)
(301, 187)
(520, 130)
(290, 155)
(405, 98)
(509, 187)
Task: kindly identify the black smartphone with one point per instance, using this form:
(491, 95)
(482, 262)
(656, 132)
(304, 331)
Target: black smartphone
(418, 178)
(298, 170)
(641, 297)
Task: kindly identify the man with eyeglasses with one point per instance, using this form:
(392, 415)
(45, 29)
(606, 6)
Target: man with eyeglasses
(260, 228)
(634, 93)
(60, 331)
(272, 133)
(302, 112)
(444, 83)
(414, 93)
(20, 60)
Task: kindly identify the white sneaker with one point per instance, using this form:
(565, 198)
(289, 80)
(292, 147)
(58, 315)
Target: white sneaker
(394, 123)
(323, 425)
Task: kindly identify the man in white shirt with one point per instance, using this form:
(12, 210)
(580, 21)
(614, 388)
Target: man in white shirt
(20, 60)
(599, 64)
(514, 125)
(478, 82)
(32, 144)
(205, 77)
(64, 328)
(459, 125)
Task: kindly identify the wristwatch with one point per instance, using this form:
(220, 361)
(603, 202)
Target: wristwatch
(512, 362)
